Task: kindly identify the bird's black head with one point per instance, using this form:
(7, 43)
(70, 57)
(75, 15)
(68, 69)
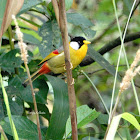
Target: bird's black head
(79, 40)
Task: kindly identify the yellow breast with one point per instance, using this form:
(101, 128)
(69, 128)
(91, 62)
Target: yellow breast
(76, 56)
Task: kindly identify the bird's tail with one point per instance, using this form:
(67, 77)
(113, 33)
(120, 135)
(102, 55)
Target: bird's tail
(33, 77)
(44, 69)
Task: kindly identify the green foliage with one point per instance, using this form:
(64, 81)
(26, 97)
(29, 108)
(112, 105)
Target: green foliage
(50, 34)
(50, 10)
(11, 60)
(60, 112)
(26, 93)
(31, 39)
(26, 129)
(84, 116)
(115, 122)
(127, 6)
(80, 21)
(15, 101)
(104, 63)
(28, 4)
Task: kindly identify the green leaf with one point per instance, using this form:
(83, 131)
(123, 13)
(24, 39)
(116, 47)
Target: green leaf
(9, 61)
(1, 109)
(28, 4)
(50, 37)
(15, 101)
(103, 119)
(26, 129)
(127, 6)
(115, 122)
(43, 88)
(103, 62)
(84, 116)
(78, 20)
(89, 138)
(30, 39)
(42, 110)
(12, 60)
(68, 4)
(50, 10)
(130, 118)
(82, 22)
(26, 95)
(60, 112)
(2, 10)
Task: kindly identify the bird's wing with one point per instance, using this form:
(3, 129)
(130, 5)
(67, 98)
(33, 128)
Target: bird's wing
(57, 63)
(52, 54)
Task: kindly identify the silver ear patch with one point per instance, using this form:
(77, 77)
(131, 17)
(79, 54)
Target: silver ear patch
(74, 45)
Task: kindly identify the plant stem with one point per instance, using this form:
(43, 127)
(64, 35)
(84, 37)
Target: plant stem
(34, 101)
(10, 38)
(13, 128)
(10, 34)
(71, 90)
(122, 37)
(3, 133)
(96, 91)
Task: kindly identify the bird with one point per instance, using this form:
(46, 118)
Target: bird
(55, 61)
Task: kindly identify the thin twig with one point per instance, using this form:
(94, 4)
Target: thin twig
(24, 58)
(96, 91)
(71, 90)
(34, 101)
(3, 133)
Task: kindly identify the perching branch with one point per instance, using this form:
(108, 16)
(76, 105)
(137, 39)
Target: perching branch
(71, 90)
(111, 45)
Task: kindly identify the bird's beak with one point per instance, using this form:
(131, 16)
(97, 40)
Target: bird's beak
(86, 42)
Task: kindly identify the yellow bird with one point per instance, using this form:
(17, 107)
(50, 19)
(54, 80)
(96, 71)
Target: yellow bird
(55, 61)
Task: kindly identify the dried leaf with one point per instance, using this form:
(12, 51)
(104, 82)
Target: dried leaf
(12, 7)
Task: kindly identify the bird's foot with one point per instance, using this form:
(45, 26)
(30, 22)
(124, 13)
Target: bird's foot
(71, 66)
(72, 83)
